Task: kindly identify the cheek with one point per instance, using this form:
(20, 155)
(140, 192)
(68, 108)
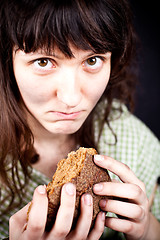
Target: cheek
(31, 94)
(98, 86)
(32, 91)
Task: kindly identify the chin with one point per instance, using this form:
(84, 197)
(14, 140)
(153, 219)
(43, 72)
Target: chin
(64, 129)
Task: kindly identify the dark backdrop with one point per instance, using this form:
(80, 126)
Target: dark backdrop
(147, 24)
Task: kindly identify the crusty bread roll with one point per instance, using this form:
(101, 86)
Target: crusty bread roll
(79, 169)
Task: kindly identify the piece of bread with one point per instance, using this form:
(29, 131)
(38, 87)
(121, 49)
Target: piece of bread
(79, 169)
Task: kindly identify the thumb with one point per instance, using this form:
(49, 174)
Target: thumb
(18, 222)
(38, 213)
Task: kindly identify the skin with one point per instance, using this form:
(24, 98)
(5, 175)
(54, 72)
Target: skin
(42, 92)
(60, 92)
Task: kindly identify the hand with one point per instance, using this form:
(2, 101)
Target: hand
(129, 200)
(62, 227)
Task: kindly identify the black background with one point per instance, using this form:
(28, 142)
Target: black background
(147, 24)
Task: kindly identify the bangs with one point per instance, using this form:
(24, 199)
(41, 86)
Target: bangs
(61, 23)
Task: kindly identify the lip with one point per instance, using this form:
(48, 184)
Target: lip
(64, 115)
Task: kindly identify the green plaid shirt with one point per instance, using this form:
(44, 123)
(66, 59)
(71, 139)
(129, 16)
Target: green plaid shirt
(136, 146)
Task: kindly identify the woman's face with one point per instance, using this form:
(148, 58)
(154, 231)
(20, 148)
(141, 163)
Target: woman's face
(60, 92)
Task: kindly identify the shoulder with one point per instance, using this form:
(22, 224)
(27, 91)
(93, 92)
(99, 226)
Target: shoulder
(136, 145)
(128, 129)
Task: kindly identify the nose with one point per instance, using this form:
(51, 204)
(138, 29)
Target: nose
(69, 88)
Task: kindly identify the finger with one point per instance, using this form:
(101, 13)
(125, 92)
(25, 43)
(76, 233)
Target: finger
(127, 227)
(38, 214)
(65, 213)
(98, 227)
(120, 169)
(18, 222)
(120, 225)
(125, 209)
(121, 190)
(84, 222)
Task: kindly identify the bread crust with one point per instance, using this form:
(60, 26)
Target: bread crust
(89, 175)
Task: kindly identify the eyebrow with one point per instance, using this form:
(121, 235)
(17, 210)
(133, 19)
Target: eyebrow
(59, 57)
(90, 54)
(54, 55)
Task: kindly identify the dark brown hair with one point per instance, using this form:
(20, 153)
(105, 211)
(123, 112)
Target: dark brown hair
(100, 26)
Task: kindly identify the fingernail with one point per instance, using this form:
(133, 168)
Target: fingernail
(41, 189)
(98, 158)
(69, 187)
(102, 203)
(98, 187)
(88, 199)
(103, 216)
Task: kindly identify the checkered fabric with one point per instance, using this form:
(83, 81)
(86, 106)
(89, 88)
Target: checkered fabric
(136, 146)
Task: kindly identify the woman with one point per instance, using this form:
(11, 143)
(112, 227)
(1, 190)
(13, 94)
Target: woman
(66, 73)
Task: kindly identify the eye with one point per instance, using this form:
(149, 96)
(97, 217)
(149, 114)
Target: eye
(93, 64)
(43, 64)
(91, 61)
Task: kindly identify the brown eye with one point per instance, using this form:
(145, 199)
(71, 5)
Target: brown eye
(42, 62)
(43, 65)
(93, 64)
(91, 61)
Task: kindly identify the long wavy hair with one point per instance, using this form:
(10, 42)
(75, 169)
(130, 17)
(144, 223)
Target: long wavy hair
(100, 26)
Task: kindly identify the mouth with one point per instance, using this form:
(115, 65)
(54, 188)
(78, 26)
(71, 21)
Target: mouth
(65, 115)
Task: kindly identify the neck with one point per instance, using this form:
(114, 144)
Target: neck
(50, 152)
(51, 148)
